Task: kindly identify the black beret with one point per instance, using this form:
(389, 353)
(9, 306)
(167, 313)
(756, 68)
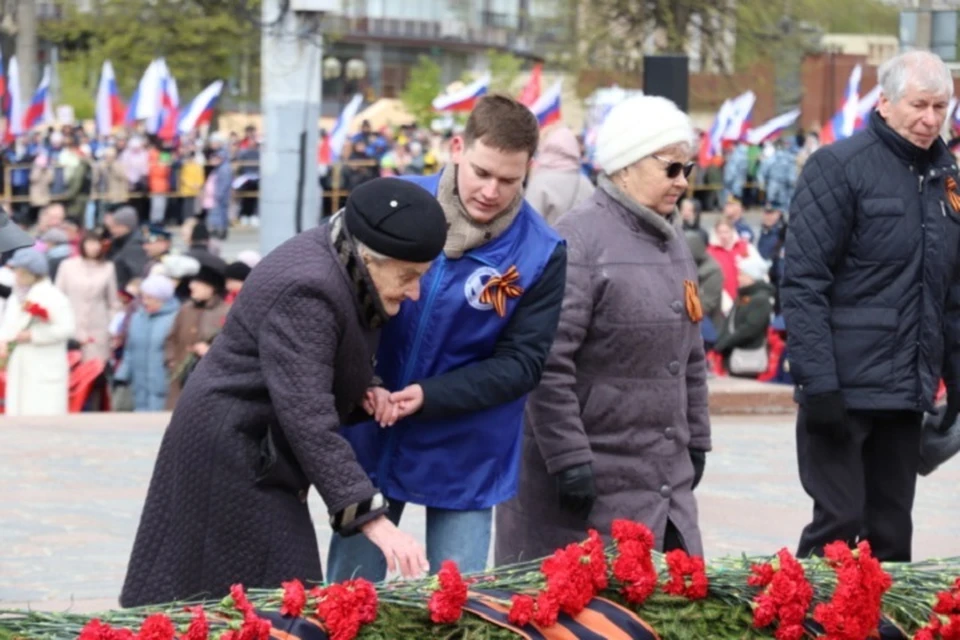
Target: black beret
(200, 233)
(237, 271)
(211, 276)
(397, 218)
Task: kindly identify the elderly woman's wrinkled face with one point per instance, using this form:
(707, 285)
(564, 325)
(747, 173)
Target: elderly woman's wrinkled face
(395, 280)
(659, 180)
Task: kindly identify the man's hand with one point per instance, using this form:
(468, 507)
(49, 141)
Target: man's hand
(402, 552)
(408, 401)
(23, 337)
(826, 415)
(377, 403)
(200, 348)
(577, 490)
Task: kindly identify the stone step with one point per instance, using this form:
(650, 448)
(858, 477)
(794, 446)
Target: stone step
(736, 396)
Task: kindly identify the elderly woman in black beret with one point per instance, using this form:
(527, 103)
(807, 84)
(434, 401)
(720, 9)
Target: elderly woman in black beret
(258, 421)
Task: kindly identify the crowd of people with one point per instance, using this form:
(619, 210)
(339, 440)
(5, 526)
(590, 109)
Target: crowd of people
(530, 348)
(119, 297)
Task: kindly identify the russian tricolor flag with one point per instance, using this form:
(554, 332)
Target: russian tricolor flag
(109, 110)
(711, 142)
(40, 110)
(772, 128)
(200, 111)
(164, 125)
(13, 104)
(547, 106)
(740, 116)
(865, 107)
(338, 135)
(844, 121)
(531, 92)
(463, 100)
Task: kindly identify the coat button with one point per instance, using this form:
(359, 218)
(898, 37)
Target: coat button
(674, 367)
(665, 491)
(303, 495)
(669, 433)
(663, 247)
(677, 306)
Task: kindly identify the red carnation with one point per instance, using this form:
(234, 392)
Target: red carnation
(688, 575)
(238, 599)
(156, 627)
(853, 612)
(199, 629)
(294, 599)
(344, 608)
(945, 621)
(96, 630)
(521, 610)
(623, 530)
(254, 628)
(596, 559)
(633, 566)
(37, 311)
(446, 603)
(786, 596)
(547, 610)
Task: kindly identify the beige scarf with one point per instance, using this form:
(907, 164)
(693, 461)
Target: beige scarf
(463, 234)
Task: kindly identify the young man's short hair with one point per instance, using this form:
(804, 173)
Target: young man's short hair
(504, 124)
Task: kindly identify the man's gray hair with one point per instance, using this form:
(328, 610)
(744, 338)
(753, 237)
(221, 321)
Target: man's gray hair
(923, 69)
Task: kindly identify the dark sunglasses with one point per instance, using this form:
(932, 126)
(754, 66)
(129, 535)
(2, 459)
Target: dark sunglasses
(674, 168)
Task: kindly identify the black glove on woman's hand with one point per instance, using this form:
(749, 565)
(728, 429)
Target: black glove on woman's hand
(699, 459)
(577, 490)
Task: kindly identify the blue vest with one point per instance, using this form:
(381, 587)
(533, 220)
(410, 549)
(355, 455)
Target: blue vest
(471, 461)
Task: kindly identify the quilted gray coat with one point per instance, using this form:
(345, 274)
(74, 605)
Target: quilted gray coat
(624, 386)
(226, 503)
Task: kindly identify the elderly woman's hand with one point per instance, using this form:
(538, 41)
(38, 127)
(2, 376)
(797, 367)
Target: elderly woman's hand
(378, 404)
(401, 550)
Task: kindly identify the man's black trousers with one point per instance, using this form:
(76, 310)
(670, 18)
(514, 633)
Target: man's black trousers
(863, 486)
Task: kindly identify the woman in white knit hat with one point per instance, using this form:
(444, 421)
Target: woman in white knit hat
(144, 365)
(619, 426)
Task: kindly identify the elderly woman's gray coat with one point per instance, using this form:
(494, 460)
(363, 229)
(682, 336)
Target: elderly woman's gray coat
(624, 386)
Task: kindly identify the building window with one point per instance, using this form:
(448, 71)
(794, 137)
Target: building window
(943, 37)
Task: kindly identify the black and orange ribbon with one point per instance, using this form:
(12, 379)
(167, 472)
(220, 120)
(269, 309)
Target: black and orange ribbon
(499, 288)
(952, 196)
(692, 297)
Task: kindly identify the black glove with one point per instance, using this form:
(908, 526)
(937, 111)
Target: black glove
(577, 491)
(699, 459)
(950, 415)
(826, 415)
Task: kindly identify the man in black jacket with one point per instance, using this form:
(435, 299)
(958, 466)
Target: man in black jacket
(871, 297)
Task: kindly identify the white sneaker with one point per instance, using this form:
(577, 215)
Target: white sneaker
(255, 221)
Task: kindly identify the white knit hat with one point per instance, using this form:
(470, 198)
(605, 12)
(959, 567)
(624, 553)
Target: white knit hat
(753, 266)
(638, 127)
(157, 286)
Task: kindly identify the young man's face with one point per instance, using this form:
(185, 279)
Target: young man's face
(488, 179)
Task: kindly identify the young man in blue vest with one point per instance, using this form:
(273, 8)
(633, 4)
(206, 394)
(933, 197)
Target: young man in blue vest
(461, 359)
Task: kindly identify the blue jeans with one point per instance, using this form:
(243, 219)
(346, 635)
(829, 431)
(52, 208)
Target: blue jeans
(461, 536)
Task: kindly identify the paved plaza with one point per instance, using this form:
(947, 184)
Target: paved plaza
(71, 490)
